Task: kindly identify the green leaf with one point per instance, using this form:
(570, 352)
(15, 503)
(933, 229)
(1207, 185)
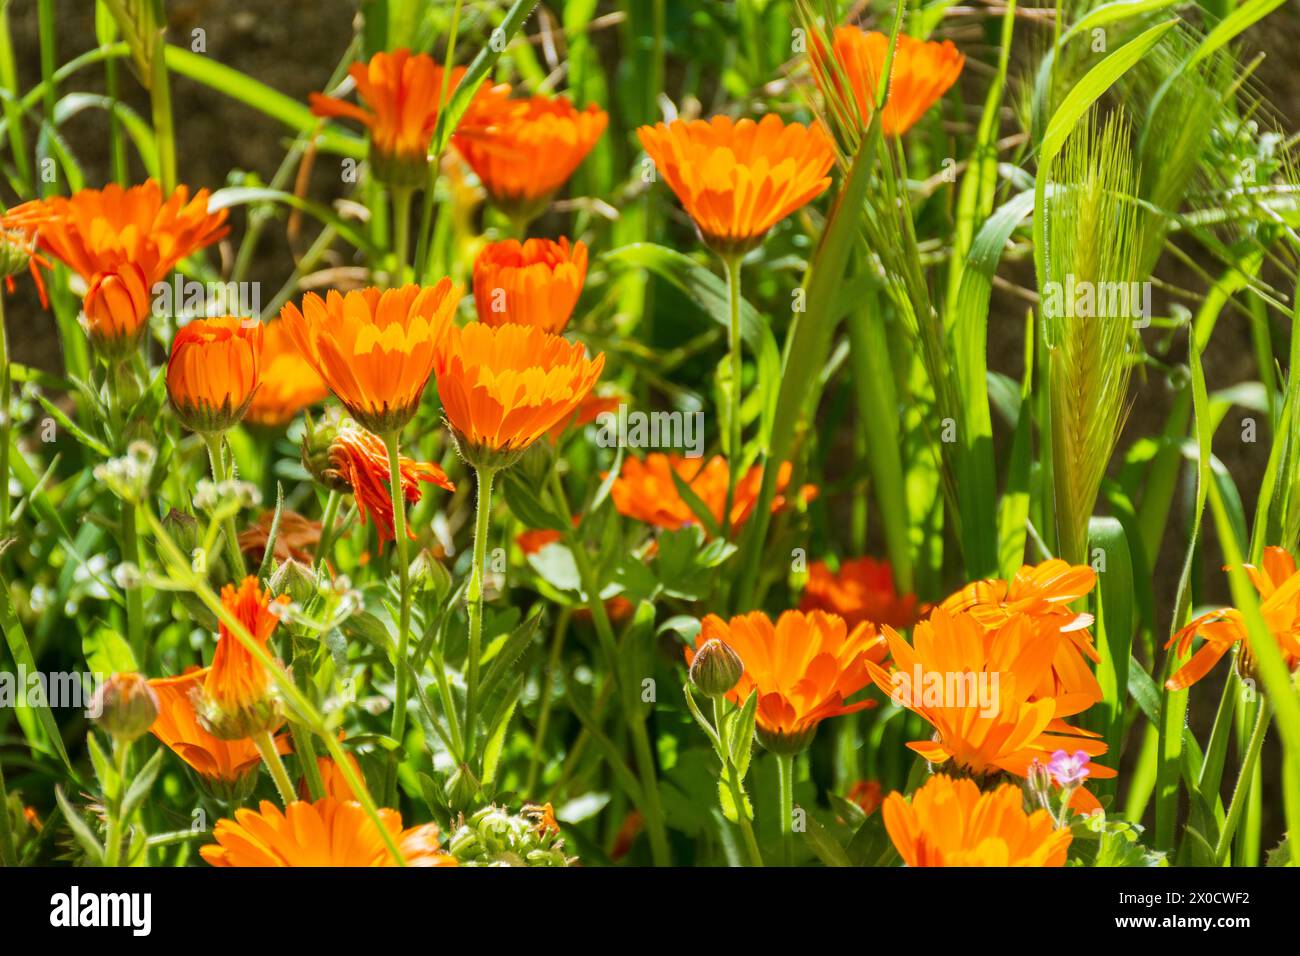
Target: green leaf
(21, 652)
(1114, 632)
(528, 507)
(80, 829)
(107, 652)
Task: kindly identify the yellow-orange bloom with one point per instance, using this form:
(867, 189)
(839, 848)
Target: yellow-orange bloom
(329, 832)
(739, 179)
(922, 71)
(1278, 584)
(533, 148)
(374, 349)
(504, 387)
(236, 693)
(100, 230)
(645, 490)
(978, 695)
(289, 382)
(804, 668)
(403, 95)
(178, 727)
(214, 369)
(951, 823)
(359, 460)
(534, 283)
(863, 590)
(116, 309)
(1042, 594)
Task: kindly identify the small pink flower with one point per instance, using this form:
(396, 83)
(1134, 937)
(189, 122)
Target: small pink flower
(1069, 770)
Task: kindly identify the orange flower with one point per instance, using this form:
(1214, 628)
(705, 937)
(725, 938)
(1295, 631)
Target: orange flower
(359, 461)
(588, 411)
(978, 695)
(289, 382)
(645, 490)
(534, 539)
(177, 726)
(329, 832)
(373, 348)
(862, 591)
(404, 94)
(504, 387)
(1043, 594)
(116, 309)
(213, 371)
(532, 150)
(867, 795)
(296, 538)
(951, 823)
(236, 693)
(921, 73)
(536, 283)
(1278, 585)
(804, 668)
(101, 230)
(739, 179)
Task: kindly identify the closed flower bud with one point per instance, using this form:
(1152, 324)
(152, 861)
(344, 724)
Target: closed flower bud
(295, 579)
(317, 439)
(428, 572)
(126, 707)
(716, 669)
(240, 721)
(213, 371)
(116, 310)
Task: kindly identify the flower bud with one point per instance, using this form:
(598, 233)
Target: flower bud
(294, 579)
(116, 310)
(261, 715)
(126, 707)
(317, 439)
(428, 572)
(716, 668)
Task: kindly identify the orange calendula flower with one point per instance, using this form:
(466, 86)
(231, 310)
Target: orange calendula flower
(1278, 585)
(224, 762)
(100, 230)
(978, 694)
(374, 348)
(329, 832)
(804, 668)
(863, 590)
(646, 490)
(358, 462)
(403, 95)
(922, 71)
(950, 822)
(533, 148)
(1043, 594)
(504, 387)
(116, 308)
(739, 179)
(289, 382)
(534, 283)
(867, 795)
(214, 369)
(237, 699)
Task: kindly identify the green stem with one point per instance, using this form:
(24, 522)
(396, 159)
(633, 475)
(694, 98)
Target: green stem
(734, 785)
(271, 757)
(401, 231)
(217, 459)
(6, 405)
(474, 602)
(731, 263)
(1241, 792)
(8, 856)
(544, 707)
(785, 768)
(113, 856)
(134, 595)
(404, 620)
(652, 811)
(160, 99)
(327, 521)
